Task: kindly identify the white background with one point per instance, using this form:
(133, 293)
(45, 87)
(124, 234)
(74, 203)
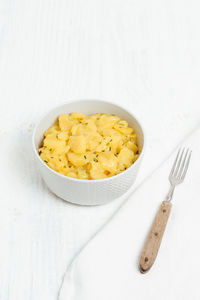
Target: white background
(144, 54)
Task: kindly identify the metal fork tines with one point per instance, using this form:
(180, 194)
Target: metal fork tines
(179, 170)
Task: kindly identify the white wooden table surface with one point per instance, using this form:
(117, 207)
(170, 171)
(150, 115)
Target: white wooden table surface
(144, 54)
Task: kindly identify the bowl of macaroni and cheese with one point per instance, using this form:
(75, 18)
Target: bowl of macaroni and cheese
(88, 151)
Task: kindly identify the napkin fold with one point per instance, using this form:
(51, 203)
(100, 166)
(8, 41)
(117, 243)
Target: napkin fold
(107, 267)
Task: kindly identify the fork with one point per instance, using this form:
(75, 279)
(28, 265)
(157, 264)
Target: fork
(154, 238)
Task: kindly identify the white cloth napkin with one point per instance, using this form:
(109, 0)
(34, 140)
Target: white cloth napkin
(107, 268)
(44, 233)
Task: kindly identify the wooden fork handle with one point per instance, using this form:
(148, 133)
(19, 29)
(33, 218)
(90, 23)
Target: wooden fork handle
(154, 237)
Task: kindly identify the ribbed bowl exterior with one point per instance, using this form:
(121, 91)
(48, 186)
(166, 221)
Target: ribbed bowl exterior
(89, 192)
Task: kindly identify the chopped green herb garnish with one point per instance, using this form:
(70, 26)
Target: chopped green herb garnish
(46, 161)
(115, 154)
(50, 149)
(94, 159)
(98, 118)
(103, 150)
(111, 140)
(97, 155)
(70, 166)
(109, 148)
(51, 156)
(40, 152)
(86, 123)
(59, 159)
(85, 156)
(107, 144)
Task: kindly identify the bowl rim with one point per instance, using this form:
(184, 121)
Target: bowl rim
(86, 180)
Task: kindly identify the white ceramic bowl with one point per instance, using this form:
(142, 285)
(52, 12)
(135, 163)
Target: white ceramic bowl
(87, 192)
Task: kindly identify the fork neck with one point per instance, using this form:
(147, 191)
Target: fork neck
(170, 193)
